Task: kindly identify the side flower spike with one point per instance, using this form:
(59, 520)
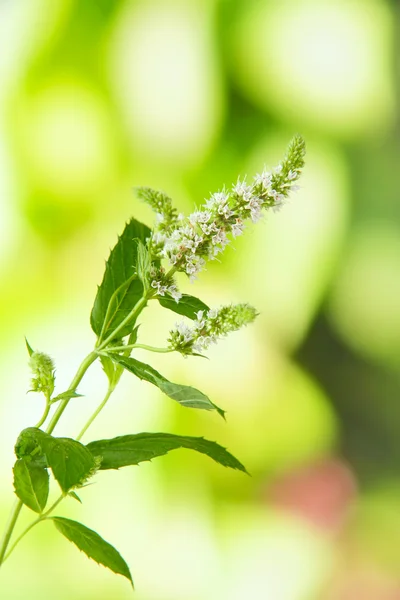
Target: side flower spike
(209, 327)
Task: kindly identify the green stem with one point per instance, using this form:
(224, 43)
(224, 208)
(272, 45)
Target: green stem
(143, 346)
(62, 406)
(9, 529)
(90, 358)
(42, 517)
(74, 384)
(96, 412)
(140, 304)
(110, 305)
(45, 414)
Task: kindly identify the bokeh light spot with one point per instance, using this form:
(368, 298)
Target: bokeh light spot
(365, 304)
(326, 64)
(166, 80)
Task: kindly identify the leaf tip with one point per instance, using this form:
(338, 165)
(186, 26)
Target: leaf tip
(28, 347)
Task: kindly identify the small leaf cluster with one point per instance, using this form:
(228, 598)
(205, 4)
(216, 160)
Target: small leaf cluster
(73, 464)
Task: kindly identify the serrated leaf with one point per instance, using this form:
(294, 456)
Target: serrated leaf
(31, 445)
(31, 483)
(67, 395)
(133, 449)
(93, 545)
(119, 290)
(70, 461)
(187, 306)
(184, 394)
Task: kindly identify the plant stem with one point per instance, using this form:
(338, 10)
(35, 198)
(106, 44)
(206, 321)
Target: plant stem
(140, 304)
(85, 364)
(62, 406)
(35, 522)
(110, 305)
(9, 529)
(74, 384)
(143, 346)
(96, 412)
(45, 414)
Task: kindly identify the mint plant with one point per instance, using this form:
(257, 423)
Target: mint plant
(141, 268)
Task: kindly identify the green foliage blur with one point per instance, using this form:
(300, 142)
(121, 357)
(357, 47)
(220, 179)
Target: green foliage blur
(100, 96)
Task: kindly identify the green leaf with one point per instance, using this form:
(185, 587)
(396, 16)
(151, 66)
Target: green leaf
(31, 445)
(109, 368)
(67, 395)
(31, 483)
(186, 395)
(134, 449)
(70, 461)
(143, 263)
(75, 496)
(119, 290)
(93, 545)
(187, 306)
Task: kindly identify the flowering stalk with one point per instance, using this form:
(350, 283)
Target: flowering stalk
(189, 242)
(141, 267)
(208, 327)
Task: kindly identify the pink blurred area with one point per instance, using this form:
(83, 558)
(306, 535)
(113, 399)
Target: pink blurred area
(322, 493)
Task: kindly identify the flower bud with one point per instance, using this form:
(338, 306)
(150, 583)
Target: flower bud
(42, 367)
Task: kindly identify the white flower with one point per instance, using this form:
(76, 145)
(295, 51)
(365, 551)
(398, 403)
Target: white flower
(237, 228)
(254, 205)
(193, 243)
(217, 199)
(161, 289)
(203, 342)
(175, 293)
(159, 238)
(263, 178)
(200, 216)
(185, 331)
(225, 211)
(194, 264)
(208, 229)
(242, 189)
(220, 238)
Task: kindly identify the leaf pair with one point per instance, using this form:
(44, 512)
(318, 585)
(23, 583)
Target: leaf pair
(70, 461)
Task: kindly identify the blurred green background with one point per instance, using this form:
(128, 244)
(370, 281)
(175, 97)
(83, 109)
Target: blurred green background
(97, 96)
